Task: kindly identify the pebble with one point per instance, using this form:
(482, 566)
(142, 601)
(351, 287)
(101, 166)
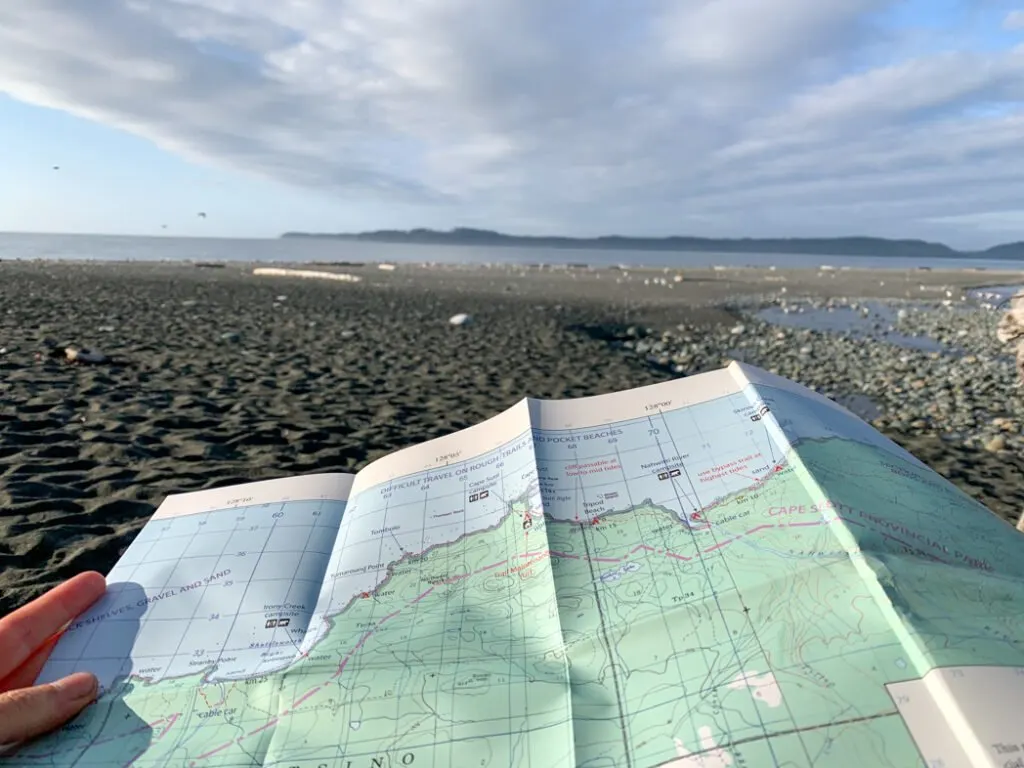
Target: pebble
(966, 392)
(79, 355)
(997, 443)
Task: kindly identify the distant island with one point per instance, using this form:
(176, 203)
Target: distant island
(826, 246)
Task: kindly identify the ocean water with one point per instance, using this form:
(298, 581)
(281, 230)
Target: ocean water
(121, 248)
(995, 295)
(880, 317)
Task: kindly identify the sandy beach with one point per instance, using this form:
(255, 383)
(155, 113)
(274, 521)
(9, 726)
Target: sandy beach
(220, 377)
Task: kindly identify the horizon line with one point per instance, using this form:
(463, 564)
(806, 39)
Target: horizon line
(298, 234)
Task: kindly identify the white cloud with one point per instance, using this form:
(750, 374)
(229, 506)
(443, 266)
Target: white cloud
(1014, 20)
(999, 222)
(717, 116)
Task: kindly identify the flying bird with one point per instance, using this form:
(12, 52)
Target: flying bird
(56, 167)
(201, 215)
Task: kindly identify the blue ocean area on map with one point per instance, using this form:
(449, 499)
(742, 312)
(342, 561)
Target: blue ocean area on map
(205, 583)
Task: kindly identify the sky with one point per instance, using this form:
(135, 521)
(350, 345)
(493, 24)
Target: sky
(731, 118)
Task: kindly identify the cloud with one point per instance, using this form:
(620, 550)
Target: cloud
(711, 116)
(1014, 20)
(1000, 222)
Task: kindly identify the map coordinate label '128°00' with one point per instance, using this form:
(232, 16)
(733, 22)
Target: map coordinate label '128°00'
(726, 570)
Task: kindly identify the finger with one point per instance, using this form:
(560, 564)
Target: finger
(26, 674)
(29, 712)
(23, 631)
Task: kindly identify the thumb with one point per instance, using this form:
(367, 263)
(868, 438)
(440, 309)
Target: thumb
(29, 712)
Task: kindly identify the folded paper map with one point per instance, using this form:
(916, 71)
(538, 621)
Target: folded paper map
(722, 570)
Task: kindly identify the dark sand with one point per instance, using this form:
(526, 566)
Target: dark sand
(326, 379)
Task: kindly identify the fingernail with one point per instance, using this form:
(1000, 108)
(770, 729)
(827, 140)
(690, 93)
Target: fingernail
(77, 687)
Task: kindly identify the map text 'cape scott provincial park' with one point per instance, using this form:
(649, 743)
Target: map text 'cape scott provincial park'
(724, 570)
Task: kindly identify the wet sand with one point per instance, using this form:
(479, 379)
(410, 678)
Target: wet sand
(225, 377)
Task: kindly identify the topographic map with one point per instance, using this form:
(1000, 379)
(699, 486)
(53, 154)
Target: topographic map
(725, 570)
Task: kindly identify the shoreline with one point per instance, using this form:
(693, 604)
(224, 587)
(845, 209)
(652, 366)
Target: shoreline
(160, 248)
(1012, 268)
(230, 377)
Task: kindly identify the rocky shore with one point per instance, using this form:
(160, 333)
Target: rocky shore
(922, 369)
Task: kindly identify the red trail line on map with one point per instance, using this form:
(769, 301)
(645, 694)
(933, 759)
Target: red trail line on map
(174, 719)
(720, 545)
(213, 751)
(270, 723)
(305, 696)
(420, 597)
(140, 729)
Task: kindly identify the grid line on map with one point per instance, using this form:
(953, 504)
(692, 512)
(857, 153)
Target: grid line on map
(345, 696)
(415, 605)
(245, 590)
(163, 588)
(700, 558)
(85, 643)
(732, 578)
(511, 630)
(728, 570)
(462, 607)
(668, 631)
(220, 558)
(294, 578)
(623, 710)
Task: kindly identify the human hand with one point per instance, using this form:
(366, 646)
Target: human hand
(27, 637)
